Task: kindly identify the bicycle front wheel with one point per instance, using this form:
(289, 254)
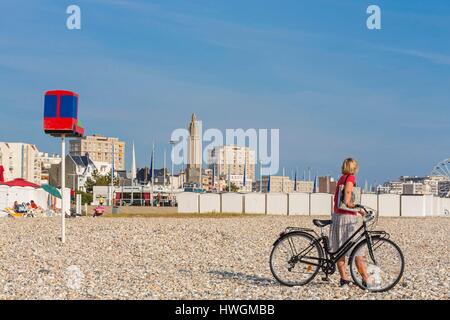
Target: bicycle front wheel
(295, 259)
(383, 273)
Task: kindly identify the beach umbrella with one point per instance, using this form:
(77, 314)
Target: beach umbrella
(52, 190)
(20, 183)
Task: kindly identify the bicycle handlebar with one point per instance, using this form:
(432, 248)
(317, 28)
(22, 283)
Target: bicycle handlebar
(369, 212)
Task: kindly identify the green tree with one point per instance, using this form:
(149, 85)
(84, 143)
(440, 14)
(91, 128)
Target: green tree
(99, 180)
(233, 187)
(85, 197)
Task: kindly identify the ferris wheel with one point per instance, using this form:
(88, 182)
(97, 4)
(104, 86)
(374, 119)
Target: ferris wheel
(442, 169)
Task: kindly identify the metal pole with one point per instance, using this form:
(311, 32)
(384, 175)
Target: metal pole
(219, 166)
(172, 156)
(214, 177)
(260, 176)
(164, 169)
(201, 173)
(63, 186)
(132, 194)
(229, 178)
(112, 178)
(183, 172)
(152, 172)
(121, 194)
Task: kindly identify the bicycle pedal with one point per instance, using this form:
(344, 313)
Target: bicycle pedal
(326, 279)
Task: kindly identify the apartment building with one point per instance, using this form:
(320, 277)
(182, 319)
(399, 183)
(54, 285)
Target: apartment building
(327, 184)
(100, 149)
(303, 186)
(277, 184)
(47, 160)
(233, 160)
(20, 160)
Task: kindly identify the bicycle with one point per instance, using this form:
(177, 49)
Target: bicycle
(297, 265)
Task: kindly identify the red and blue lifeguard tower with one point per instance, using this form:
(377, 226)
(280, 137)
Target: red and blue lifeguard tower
(61, 114)
(61, 120)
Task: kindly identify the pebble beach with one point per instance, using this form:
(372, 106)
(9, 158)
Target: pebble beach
(194, 258)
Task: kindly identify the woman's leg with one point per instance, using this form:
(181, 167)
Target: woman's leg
(335, 242)
(342, 268)
(361, 266)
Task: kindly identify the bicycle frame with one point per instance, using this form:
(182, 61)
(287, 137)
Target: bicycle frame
(302, 247)
(333, 257)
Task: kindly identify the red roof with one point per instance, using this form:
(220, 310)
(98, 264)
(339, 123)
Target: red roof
(20, 183)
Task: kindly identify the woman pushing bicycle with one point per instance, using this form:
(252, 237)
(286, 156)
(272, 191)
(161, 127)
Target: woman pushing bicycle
(300, 253)
(345, 220)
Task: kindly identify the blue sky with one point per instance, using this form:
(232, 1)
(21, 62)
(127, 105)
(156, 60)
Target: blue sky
(310, 68)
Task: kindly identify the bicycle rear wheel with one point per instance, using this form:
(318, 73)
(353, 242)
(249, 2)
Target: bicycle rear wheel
(387, 269)
(295, 259)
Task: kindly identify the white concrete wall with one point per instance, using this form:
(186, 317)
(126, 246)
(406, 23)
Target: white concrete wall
(413, 206)
(209, 202)
(370, 200)
(255, 203)
(321, 204)
(187, 202)
(277, 203)
(436, 206)
(232, 203)
(428, 205)
(298, 204)
(389, 205)
(445, 207)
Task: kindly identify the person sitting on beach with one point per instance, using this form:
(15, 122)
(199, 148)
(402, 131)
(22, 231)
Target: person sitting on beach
(19, 208)
(98, 211)
(33, 205)
(345, 221)
(16, 206)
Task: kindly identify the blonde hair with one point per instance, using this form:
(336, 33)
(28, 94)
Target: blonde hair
(349, 166)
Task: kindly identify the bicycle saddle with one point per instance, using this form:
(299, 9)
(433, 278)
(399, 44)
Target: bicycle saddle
(321, 223)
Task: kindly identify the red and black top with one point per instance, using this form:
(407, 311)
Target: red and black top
(342, 181)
